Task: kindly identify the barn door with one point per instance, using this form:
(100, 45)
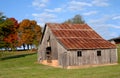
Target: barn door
(48, 55)
(64, 60)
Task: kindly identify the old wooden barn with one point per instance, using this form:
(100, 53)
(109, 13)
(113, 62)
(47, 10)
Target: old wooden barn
(74, 45)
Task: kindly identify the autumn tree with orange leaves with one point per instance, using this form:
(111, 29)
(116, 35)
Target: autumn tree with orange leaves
(14, 34)
(29, 33)
(12, 37)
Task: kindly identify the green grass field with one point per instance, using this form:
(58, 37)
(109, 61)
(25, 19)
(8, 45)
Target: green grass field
(26, 67)
(14, 53)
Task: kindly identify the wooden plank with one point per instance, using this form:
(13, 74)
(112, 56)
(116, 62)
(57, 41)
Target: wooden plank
(90, 57)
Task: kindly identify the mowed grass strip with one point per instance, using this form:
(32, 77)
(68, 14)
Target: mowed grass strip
(14, 54)
(26, 67)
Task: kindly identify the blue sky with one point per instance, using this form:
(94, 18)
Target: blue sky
(102, 15)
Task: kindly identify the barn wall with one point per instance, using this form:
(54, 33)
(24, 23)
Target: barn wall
(89, 57)
(43, 45)
(54, 47)
(62, 55)
(114, 56)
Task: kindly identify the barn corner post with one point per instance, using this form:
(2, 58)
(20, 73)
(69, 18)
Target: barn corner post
(64, 60)
(116, 55)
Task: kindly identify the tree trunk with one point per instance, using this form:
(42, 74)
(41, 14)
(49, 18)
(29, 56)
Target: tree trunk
(24, 46)
(28, 46)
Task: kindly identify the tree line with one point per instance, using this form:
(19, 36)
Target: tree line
(14, 34)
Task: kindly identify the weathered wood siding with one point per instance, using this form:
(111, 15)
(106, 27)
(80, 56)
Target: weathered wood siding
(89, 57)
(69, 58)
(43, 45)
(62, 58)
(54, 47)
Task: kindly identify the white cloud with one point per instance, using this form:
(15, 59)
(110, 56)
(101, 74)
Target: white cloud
(103, 27)
(103, 22)
(100, 20)
(39, 3)
(104, 30)
(77, 5)
(116, 17)
(113, 26)
(44, 1)
(101, 3)
(54, 10)
(44, 17)
(90, 13)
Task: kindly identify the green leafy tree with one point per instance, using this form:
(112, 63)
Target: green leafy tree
(6, 30)
(12, 37)
(77, 19)
(2, 19)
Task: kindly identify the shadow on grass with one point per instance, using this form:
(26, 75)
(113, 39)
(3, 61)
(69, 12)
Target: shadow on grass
(15, 56)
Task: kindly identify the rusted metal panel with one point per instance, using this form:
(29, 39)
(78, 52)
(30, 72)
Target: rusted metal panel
(78, 36)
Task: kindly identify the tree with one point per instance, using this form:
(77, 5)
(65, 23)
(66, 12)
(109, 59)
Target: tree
(2, 27)
(38, 35)
(28, 33)
(24, 32)
(77, 19)
(4, 32)
(12, 37)
(2, 17)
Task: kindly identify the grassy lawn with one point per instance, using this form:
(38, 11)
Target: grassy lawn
(13, 54)
(26, 67)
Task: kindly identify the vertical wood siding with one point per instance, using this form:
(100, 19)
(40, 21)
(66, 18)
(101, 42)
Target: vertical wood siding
(89, 57)
(61, 55)
(43, 45)
(54, 47)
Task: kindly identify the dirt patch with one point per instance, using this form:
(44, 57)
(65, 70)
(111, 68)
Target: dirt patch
(87, 66)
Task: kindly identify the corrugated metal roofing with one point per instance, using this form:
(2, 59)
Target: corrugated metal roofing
(78, 36)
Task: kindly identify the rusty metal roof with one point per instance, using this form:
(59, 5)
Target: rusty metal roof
(78, 36)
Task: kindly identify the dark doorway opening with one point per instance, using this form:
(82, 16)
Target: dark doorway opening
(48, 55)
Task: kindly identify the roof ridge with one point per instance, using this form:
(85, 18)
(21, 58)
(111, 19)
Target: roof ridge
(72, 29)
(80, 37)
(71, 23)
